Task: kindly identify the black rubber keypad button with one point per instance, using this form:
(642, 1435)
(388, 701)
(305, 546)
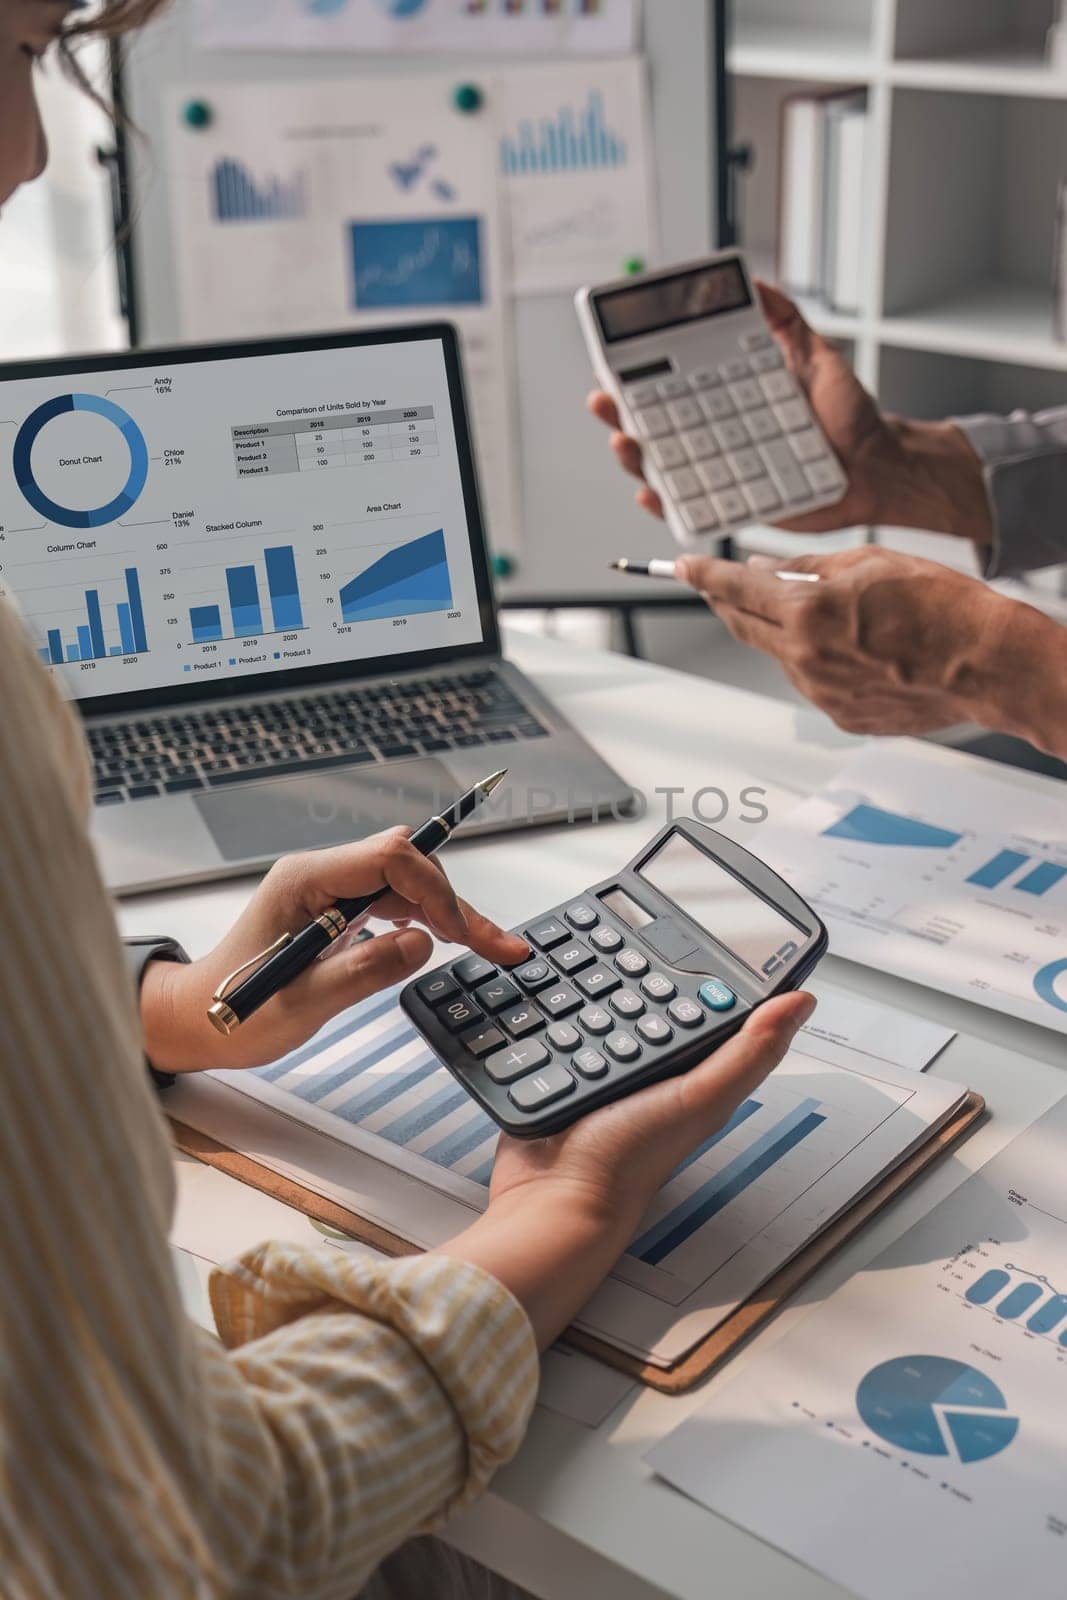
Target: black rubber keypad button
(657, 986)
(436, 988)
(686, 1013)
(627, 1004)
(589, 1062)
(521, 1020)
(547, 935)
(482, 1041)
(534, 975)
(654, 1030)
(459, 1014)
(581, 915)
(622, 1046)
(472, 970)
(560, 1000)
(632, 962)
(506, 1065)
(594, 1019)
(573, 957)
(597, 981)
(496, 995)
(539, 1089)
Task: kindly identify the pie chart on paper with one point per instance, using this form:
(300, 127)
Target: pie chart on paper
(934, 1406)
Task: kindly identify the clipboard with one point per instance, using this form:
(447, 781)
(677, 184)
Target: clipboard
(713, 1350)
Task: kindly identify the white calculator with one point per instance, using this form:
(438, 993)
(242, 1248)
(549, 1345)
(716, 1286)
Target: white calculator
(728, 435)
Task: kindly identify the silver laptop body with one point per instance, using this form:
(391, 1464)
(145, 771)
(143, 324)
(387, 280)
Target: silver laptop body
(261, 572)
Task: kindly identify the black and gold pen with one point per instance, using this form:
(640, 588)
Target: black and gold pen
(293, 953)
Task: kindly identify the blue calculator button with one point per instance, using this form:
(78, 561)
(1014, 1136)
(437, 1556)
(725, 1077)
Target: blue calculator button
(716, 996)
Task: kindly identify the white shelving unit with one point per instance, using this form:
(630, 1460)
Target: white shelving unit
(968, 134)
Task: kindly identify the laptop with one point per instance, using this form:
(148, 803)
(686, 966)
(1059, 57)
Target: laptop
(260, 571)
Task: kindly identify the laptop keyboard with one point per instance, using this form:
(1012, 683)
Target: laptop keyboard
(174, 753)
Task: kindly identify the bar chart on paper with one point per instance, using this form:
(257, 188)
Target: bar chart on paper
(955, 880)
(572, 139)
(97, 637)
(243, 613)
(793, 1154)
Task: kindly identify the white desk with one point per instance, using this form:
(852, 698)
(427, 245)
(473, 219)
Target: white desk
(577, 1512)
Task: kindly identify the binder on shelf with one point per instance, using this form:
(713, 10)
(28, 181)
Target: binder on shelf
(822, 191)
(844, 229)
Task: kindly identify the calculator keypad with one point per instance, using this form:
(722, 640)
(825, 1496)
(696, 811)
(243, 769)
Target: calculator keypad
(587, 1007)
(735, 442)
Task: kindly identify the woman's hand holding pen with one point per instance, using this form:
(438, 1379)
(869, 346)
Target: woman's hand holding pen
(175, 999)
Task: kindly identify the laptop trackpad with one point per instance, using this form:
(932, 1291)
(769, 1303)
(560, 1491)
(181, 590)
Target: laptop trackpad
(274, 816)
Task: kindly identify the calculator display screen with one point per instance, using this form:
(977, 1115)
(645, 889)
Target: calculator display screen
(684, 297)
(737, 918)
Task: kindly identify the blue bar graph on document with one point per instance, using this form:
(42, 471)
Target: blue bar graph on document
(370, 1068)
(710, 1197)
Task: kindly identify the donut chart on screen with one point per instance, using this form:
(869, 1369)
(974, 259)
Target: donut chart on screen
(66, 516)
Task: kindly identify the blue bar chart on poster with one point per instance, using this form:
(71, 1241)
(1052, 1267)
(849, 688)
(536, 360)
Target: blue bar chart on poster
(163, 526)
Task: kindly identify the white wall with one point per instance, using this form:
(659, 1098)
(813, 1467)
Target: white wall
(57, 276)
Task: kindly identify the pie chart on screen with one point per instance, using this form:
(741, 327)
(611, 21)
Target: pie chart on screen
(934, 1406)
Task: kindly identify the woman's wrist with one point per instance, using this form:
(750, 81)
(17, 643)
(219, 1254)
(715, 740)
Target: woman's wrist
(941, 487)
(550, 1245)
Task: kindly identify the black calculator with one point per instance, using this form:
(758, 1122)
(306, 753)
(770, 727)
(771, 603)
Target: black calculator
(633, 980)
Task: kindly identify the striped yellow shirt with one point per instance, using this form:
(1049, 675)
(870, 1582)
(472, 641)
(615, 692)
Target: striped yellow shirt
(349, 1403)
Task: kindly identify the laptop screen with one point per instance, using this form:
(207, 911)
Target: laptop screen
(186, 523)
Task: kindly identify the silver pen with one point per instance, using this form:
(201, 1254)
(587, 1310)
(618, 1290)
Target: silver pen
(657, 567)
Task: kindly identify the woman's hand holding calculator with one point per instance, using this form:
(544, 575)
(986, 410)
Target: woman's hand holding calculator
(562, 1210)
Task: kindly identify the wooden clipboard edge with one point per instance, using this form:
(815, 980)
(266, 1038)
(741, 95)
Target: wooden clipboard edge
(710, 1352)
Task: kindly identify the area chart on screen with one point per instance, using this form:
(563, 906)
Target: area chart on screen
(412, 578)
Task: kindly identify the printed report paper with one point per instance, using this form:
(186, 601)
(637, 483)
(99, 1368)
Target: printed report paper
(367, 1115)
(935, 872)
(908, 1439)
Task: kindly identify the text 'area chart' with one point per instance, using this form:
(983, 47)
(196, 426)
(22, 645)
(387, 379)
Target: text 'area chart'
(161, 526)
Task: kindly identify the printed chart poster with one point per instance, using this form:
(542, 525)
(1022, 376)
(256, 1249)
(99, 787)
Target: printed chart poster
(460, 27)
(907, 1440)
(939, 874)
(574, 149)
(354, 203)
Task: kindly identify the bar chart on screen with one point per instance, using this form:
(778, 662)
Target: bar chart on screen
(109, 628)
(255, 604)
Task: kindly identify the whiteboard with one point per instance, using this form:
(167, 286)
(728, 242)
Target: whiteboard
(577, 511)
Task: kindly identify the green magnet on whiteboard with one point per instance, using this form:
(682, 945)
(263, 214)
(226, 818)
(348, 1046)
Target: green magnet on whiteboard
(633, 265)
(197, 114)
(467, 97)
(503, 566)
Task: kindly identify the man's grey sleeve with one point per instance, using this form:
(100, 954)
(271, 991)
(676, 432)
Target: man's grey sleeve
(1024, 460)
